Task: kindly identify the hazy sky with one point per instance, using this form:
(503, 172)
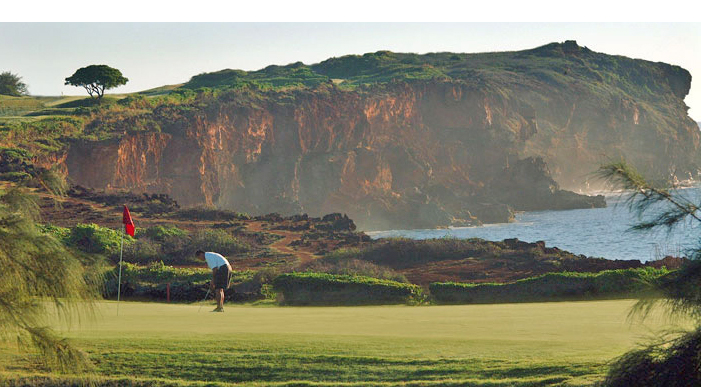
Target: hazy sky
(155, 54)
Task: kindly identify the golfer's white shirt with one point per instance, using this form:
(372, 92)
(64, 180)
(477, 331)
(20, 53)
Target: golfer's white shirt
(215, 260)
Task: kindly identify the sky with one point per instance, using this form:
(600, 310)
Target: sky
(156, 54)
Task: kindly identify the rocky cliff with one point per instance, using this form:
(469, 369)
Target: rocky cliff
(483, 135)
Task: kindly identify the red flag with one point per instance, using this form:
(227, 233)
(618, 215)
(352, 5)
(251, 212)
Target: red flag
(128, 223)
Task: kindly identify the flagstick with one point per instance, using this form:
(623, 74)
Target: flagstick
(119, 281)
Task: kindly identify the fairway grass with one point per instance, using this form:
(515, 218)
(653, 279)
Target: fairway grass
(565, 343)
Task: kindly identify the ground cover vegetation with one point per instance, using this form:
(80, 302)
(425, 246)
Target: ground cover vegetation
(168, 244)
(468, 260)
(549, 63)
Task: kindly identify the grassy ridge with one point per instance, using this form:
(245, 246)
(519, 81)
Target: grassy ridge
(607, 284)
(555, 64)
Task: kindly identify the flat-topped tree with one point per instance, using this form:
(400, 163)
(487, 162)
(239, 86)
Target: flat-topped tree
(96, 79)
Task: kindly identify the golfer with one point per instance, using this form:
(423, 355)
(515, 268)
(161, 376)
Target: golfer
(221, 275)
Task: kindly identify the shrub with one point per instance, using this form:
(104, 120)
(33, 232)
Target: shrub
(161, 233)
(135, 101)
(140, 251)
(16, 165)
(341, 262)
(327, 289)
(16, 177)
(186, 284)
(551, 286)
(158, 273)
(92, 238)
(207, 213)
(403, 252)
(60, 233)
(177, 249)
(670, 363)
(260, 284)
(218, 240)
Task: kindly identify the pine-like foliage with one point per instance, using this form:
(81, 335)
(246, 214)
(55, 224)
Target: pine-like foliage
(677, 361)
(39, 277)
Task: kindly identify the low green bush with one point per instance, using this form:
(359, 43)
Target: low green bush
(341, 261)
(60, 233)
(171, 245)
(158, 273)
(16, 165)
(161, 233)
(91, 238)
(218, 240)
(186, 284)
(405, 252)
(140, 251)
(667, 361)
(16, 177)
(551, 287)
(312, 288)
(207, 213)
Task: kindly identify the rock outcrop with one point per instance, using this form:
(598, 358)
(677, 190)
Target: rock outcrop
(411, 153)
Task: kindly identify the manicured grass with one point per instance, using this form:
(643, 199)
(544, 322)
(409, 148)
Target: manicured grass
(566, 343)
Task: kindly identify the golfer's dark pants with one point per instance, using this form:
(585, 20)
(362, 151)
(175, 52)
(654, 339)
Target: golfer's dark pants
(222, 277)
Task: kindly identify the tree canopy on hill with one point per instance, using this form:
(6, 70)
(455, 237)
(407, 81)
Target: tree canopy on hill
(11, 84)
(96, 79)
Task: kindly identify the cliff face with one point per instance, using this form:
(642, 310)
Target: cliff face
(413, 153)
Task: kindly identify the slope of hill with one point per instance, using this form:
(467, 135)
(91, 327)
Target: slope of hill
(393, 140)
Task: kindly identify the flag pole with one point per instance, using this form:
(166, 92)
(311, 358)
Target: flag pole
(119, 281)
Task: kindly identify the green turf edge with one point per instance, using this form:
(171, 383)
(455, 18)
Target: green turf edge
(54, 380)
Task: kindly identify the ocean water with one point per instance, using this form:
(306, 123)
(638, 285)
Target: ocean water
(597, 232)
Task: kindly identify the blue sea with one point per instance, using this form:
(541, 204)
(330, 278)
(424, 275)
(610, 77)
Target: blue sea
(598, 232)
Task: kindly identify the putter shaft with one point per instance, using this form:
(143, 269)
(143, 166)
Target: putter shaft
(205, 299)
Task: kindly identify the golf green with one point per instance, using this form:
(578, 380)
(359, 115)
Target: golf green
(507, 344)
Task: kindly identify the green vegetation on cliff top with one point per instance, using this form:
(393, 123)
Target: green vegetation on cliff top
(555, 64)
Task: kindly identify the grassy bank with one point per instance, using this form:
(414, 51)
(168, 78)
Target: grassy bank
(149, 344)
(608, 284)
(329, 289)
(317, 288)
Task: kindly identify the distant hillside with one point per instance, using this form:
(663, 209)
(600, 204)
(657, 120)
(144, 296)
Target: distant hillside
(394, 140)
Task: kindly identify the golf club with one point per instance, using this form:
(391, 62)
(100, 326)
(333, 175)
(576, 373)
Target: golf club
(205, 299)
